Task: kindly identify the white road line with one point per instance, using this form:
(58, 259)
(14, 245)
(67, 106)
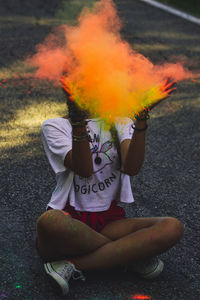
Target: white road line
(173, 11)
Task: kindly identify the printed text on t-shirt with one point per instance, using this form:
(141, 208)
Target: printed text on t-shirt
(96, 187)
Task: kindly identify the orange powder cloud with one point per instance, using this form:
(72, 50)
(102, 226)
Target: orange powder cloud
(102, 72)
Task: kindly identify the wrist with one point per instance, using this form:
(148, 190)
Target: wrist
(79, 134)
(143, 129)
(78, 123)
(140, 124)
(76, 114)
(76, 117)
(79, 130)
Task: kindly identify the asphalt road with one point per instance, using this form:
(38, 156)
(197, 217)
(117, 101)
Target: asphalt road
(168, 184)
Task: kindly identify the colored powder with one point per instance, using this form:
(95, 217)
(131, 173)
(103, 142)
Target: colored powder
(100, 70)
(137, 297)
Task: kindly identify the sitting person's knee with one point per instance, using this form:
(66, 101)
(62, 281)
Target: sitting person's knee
(173, 229)
(178, 228)
(53, 221)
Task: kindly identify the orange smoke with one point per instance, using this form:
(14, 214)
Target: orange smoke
(102, 72)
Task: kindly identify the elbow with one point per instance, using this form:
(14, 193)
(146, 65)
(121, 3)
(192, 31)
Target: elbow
(83, 175)
(86, 175)
(132, 172)
(134, 169)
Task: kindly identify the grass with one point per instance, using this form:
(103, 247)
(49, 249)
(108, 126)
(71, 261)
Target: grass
(192, 6)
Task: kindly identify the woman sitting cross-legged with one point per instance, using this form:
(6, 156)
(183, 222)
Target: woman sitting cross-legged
(83, 228)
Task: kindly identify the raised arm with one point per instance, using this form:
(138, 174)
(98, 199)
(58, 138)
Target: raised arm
(133, 151)
(79, 159)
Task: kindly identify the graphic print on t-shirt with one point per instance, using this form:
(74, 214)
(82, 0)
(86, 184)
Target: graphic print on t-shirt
(104, 157)
(98, 183)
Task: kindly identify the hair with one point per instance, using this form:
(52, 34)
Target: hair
(115, 141)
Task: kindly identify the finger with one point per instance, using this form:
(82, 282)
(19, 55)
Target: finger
(69, 96)
(64, 84)
(168, 86)
(171, 91)
(65, 88)
(171, 84)
(167, 80)
(62, 81)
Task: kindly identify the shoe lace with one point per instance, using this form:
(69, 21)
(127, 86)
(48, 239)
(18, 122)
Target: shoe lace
(70, 270)
(81, 276)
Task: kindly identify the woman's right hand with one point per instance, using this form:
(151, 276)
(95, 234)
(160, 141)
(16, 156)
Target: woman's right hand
(76, 114)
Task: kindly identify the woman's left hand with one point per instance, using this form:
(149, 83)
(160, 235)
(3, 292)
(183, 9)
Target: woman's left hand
(168, 87)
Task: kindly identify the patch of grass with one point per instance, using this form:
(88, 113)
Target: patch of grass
(192, 6)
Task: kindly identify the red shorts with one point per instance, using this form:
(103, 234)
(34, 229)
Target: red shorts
(97, 220)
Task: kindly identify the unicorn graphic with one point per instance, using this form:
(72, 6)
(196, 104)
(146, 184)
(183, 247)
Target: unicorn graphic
(102, 155)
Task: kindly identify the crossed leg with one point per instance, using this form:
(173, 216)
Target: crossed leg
(119, 242)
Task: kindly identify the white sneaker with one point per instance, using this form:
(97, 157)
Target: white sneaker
(61, 272)
(148, 269)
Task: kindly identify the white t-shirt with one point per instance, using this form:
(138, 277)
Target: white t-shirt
(106, 184)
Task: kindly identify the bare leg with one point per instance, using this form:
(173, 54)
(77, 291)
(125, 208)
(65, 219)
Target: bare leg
(60, 235)
(142, 244)
(135, 239)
